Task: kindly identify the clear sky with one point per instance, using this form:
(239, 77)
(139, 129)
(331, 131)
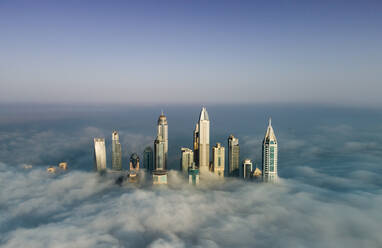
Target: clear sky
(191, 51)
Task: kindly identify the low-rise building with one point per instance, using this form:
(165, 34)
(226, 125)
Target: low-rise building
(63, 165)
(51, 169)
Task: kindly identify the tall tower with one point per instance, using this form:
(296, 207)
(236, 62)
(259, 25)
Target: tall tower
(196, 144)
(204, 139)
(270, 155)
(247, 169)
(187, 160)
(116, 153)
(148, 157)
(161, 144)
(99, 154)
(218, 161)
(233, 156)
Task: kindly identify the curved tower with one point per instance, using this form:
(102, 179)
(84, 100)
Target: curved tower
(203, 134)
(270, 155)
(134, 162)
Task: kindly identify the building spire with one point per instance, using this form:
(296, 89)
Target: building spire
(203, 114)
(162, 112)
(270, 121)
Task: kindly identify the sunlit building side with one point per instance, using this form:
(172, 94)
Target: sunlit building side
(218, 159)
(99, 154)
(203, 133)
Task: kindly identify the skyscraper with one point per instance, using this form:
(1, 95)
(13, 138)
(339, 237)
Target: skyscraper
(270, 155)
(148, 157)
(186, 160)
(203, 134)
(233, 156)
(161, 144)
(116, 153)
(247, 169)
(193, 175)
(218, 161)
(99, 154)
(196, 144)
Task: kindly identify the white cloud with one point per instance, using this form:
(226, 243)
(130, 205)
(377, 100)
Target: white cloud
(80, 209)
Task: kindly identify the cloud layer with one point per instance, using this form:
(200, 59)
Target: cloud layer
(330, 194)
(81, 209)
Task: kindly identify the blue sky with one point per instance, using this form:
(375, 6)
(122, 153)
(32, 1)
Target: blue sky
(191, 52)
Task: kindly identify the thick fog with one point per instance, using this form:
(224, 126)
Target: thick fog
(329, 194)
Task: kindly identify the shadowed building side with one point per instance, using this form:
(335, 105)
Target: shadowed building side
(148, 159)
(233, 156)
(116, 153)
(246, 169)
(196, 144)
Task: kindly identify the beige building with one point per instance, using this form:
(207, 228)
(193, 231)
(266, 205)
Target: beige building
(203, 139)
(99, 154)
(218, 161)
(63, 166)
(257, 174)
(51, 169)
(186, 160)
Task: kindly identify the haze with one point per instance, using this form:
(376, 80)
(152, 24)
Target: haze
(191, 52)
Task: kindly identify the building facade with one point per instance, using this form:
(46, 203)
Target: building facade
(148, 159)
(246, 169)
(161, 144)
(116, 152)
(270, 155)
(218, 159)
(233, 156)
(203, 133)
(159, 177)
(196, 144)
(186, 160)
(99, 154)
(193, 175)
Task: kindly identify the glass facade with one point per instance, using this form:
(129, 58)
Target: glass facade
(233, 156)
(272, 159)
(148, 158)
